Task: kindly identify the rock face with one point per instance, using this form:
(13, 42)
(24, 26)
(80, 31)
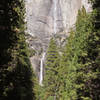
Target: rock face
(46, 18)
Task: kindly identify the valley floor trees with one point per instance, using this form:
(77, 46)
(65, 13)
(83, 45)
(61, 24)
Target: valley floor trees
(51, 84)
(73, 74)
(15, 68)
(82, 57)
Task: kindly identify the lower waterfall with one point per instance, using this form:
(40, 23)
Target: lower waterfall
(41, 69)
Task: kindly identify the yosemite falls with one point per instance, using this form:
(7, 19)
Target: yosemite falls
(56, 17)
(46, 18)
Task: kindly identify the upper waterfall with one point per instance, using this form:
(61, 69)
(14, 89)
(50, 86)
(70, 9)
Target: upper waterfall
(55, 15)
(46, 18)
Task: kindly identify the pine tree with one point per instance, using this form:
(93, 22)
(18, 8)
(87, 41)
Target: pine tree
(51, 83)
(91, 70)
(73, 56)
(80, 59)
(15, 68)
(4, 45)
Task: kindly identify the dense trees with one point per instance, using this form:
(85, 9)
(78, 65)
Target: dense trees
(15, 69)
(79, 66)
(73, 74)
(81, 58)
(51, 84)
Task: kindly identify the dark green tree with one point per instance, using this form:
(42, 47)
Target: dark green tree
(16, 77)
(51, 83)
(80, 59)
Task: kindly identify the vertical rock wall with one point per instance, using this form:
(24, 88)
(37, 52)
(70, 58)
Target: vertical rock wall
(40, 22)
(40, 16)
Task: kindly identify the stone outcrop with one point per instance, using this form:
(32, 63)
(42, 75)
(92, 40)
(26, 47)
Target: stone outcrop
(42, 19)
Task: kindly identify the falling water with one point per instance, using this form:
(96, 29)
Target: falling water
(55, 16)
(41, 69)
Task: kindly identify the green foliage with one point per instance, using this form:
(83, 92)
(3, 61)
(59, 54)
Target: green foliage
(15, 69)
(51, 82)
(73, 75)
(79, 59)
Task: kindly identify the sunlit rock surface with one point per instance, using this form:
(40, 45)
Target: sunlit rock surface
(40, 17)
(44, 17)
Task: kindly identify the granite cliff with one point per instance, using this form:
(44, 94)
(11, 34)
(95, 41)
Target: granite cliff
(46, 18)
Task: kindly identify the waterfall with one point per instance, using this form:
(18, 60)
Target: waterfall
(41, 69)
(55, 16)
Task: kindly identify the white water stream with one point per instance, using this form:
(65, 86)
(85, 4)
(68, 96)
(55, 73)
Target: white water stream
(41, 69)
(55, 15)
(55, 31)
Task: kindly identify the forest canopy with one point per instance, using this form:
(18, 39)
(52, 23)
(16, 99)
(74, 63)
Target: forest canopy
(71, 72)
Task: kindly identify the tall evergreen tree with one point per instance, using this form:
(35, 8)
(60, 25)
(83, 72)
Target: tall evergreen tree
(80, 59)
(5, 43)
(15, 69)
(51, 84)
